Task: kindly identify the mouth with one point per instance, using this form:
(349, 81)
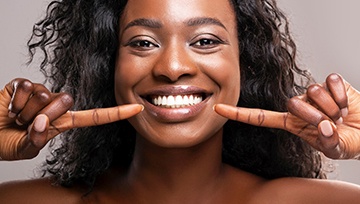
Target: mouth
(176, 101)
(176, 97)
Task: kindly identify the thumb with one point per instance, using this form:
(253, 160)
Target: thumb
(253, 116)
(37, 137)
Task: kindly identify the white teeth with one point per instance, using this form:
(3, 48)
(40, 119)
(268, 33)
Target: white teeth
(177, 101)
(163, 100)
(186, 100)
(171, 101)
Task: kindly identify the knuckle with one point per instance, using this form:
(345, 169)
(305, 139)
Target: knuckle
(23, 85)
(292, 103)
(330, 145)
(333, 78)
(67, 100)
(314, 90)
(43, 97)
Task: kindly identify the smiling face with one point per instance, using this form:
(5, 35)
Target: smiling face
(178, 58)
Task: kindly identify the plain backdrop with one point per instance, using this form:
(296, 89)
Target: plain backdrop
(326, 31)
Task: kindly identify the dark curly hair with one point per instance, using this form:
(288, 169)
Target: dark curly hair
(79, 40)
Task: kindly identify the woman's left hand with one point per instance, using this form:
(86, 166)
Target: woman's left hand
(327, 117)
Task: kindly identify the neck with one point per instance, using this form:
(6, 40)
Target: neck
(179, 171)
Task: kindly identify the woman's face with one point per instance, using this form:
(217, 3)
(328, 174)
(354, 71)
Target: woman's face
(178, 58)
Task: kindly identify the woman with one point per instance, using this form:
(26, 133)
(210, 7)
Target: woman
(175, 62)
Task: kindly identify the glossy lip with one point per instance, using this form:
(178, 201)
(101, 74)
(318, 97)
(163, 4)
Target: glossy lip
(173, 115)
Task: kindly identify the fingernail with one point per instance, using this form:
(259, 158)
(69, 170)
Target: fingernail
(142, 108)
(11, 114)
(40, 123)
(344, 112)
(339, 121)
(18, 122)
(326, 128)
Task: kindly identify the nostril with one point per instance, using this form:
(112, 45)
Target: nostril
(172, 76)
(173, 66)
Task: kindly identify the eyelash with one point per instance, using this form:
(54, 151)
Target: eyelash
(203, 43)
(142, 44)
(206, 43)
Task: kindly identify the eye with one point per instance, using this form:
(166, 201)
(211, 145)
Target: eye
(142, 44)
(207, 43)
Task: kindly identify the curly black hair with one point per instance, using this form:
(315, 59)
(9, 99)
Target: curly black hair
(79, 41)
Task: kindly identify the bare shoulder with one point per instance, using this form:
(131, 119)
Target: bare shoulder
(302, 190)
(38, 191)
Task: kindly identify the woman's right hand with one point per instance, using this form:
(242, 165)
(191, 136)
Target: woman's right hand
(30, 116)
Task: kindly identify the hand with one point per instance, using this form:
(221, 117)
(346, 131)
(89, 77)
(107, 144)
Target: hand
(327, 117)
(30, 116)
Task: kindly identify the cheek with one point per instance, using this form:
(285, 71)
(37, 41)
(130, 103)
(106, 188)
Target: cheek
(127, 74)
(226, 73)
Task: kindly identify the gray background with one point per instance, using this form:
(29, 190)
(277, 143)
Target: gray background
(327, 33)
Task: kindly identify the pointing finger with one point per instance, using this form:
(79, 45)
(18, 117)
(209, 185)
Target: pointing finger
(271, 119)
(93, 117)
(253, 116)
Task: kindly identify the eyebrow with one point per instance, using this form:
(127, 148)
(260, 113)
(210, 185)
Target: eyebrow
(204, 21)
(151, 23)
(144, 22)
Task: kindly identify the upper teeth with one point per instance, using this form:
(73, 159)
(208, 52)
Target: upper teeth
(176, 101)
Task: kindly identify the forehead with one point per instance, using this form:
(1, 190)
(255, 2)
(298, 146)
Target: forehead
(173, 11)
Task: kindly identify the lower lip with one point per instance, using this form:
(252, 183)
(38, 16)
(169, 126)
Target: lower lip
(175, 114)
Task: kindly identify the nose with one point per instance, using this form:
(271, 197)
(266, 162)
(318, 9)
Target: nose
(175, 62)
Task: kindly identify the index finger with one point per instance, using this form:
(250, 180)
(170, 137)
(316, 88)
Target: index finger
(94, 117)
(270, 119)
(253, 116)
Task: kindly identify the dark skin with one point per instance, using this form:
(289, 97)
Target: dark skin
(176, 166)
(328, 114)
